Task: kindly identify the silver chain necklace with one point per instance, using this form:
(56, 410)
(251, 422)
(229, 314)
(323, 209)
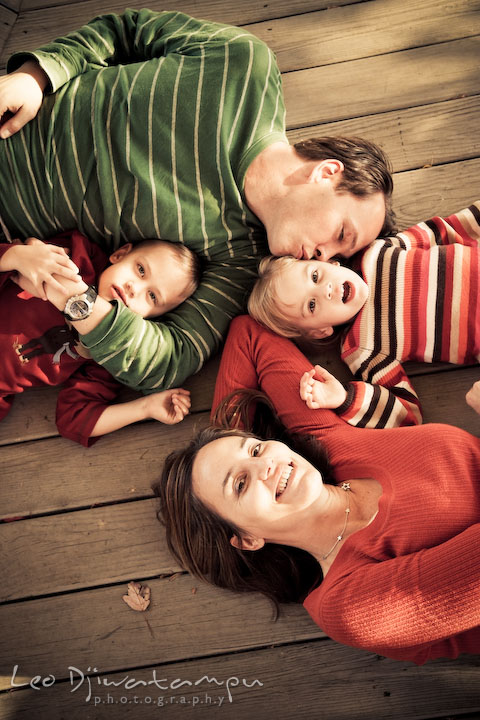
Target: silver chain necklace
(345, 486)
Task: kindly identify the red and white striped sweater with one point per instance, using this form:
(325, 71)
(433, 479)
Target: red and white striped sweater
(423, 304)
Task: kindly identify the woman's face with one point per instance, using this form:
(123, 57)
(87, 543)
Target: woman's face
(263, 487)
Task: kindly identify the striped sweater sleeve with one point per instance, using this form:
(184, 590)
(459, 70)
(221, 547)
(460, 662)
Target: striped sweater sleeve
(165, 114)
(462, 228)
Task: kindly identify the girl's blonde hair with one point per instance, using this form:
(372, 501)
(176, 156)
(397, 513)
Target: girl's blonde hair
(263, 303)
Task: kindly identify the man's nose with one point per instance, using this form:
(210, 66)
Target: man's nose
(322, 252)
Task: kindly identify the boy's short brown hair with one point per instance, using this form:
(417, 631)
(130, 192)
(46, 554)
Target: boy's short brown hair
(186, 258)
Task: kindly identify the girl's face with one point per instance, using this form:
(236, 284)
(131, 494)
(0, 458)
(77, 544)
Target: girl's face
(318, 295)
(262, 487)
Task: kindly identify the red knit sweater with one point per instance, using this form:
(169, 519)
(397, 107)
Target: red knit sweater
(408, 585)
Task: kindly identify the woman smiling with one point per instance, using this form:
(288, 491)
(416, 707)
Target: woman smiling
(381, 542)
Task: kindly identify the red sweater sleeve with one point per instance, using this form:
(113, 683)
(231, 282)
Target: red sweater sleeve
(413, 600)
(254, 357)
(84, 397)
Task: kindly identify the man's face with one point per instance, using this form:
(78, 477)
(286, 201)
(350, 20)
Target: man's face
(316, 221)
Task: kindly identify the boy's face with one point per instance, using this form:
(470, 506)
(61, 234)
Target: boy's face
(148, 279)
(318, 295)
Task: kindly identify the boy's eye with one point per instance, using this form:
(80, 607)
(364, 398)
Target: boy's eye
(311, 306)
(152, 297)
(315, 277)
(141, 269)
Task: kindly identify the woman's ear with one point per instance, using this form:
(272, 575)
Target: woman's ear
(247, 542)
(120, 253)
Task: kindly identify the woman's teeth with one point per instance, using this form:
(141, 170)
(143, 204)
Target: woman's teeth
(284, 480)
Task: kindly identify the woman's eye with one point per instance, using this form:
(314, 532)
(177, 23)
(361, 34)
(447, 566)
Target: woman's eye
(311, 306)
(315, 276)
(141, 269)
(342, 235)
(152, 297)
(256, 450)
(240, 486)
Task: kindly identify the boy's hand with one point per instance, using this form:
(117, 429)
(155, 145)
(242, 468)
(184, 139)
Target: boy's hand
(21, 95)
(169, 406)
(320, 389)
(37, 263)
(473, 397)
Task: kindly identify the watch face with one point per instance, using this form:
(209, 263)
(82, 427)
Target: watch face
(79, 308)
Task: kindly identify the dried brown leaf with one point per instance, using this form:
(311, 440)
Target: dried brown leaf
(138, 597)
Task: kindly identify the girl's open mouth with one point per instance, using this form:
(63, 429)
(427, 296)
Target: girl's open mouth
(348, 292)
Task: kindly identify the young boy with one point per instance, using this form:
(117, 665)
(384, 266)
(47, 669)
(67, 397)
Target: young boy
(39, 344)
(417, 298)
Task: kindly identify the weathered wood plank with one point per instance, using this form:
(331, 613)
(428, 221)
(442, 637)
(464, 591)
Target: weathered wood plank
(443, 398)
(443, 189)
(413, 137)
(96, 628)
(55, 474)
(38, 26)
(72, 551)
(7, 21)
(358, 31)
(380, 84)
(12, 5)
(338, 682)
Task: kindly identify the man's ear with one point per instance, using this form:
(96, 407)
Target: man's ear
(248, 542)
(120, 253)
(326, 170)
(321, 333)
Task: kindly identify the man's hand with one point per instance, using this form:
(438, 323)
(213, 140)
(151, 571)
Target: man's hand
(320, 389)
(21, 96)
(38, 263)
(169, 406)
(473, 397)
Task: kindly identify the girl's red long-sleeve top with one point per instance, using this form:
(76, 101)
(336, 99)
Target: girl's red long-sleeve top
(407, 586)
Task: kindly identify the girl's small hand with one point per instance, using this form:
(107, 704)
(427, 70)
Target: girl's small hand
(320, 389)
(473, 397)
(37, 262)
(169, 406)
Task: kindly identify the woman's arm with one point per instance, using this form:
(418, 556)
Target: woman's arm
(254, 357)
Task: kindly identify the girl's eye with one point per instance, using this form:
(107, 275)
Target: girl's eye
(256, 450)
(141, 269)
(311, 306)
(152, 297)
(315, 277)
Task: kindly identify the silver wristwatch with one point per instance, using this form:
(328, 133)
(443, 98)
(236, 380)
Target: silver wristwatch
(79, 307)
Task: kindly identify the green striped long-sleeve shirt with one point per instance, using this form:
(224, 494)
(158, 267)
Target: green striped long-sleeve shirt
(151, 124)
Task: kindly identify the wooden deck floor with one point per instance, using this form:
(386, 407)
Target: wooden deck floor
(79, 524)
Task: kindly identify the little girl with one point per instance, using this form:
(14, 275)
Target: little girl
(414, 296)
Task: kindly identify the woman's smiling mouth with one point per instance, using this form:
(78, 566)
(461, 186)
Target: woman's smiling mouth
(283, 482)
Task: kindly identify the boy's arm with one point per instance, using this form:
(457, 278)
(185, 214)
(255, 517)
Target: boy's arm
(86, 409)
(463, 228)
(390, 402)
